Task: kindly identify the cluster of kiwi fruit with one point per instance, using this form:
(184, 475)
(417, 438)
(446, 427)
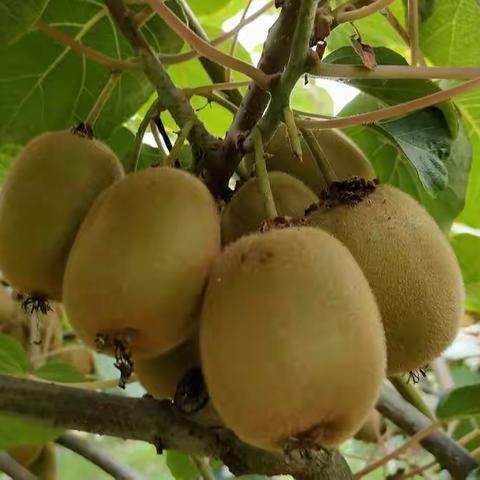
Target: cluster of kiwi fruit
(294, 328)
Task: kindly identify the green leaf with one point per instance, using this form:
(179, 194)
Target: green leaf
(450, 36)
(8, 152)
(392, 92)
(460, 402)
(207, 7)
(13, 354)
(16, 431)
(466, 248)
(181, 466)
(59, 371)
(392, 166)
(45, 86)
(16, 17)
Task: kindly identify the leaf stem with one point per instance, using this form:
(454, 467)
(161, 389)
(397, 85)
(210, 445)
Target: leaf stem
(203, 466)
(389, 112)
(158, 140)
(102, 99)
(14, 469)
(113, 64)
(413, 33)
(205, 48)
(215, 86)
(410, 393)
(320, 157)
(342, 15)
(177, 146)
(389, 72)
(293, 135)
(262, 175)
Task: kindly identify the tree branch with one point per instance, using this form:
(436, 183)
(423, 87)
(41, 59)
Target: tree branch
(206, 49)
(13, 469)
(97, 456)
(173, 99)
(159, 423)
(343, 16)
(449, 454)
(413, 33)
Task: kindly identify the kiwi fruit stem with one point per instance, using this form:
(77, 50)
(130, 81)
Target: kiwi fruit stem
(410, 393)
(177, 146)
(293, 134)
(319, 156)
(262, 175)
(102, 99)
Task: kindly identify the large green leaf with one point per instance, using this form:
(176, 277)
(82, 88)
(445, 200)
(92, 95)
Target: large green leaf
(46, 86)
(13, 358)
(181, 466)
(16, 17)
(207, 7)
(59, 371)
(18, 431)
(460, 402)
(392, 166)
(467, 248)
(450, 36)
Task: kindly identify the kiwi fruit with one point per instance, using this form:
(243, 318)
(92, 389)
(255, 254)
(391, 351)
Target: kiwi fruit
(245, 212)
(373, 428)
(44, 199)
(80, 357)
(139, 264)
(346, 159)
(411, 269)
(291, 340)
(161, 375)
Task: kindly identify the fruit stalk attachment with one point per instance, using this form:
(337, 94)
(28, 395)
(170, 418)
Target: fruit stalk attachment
(293, 134)
(262, 175)
(319, 156)
(177, 146)
(102, 99)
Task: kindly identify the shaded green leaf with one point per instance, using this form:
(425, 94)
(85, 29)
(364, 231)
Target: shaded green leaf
(460, 402)
(392, 166)
(16, 17)
(17, 431)
(12, 348)
(467, 248)
(181, 466)
(202, 7)
(59, 371)
(8, 152)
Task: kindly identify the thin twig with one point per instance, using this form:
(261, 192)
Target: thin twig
(113, 64)
(170, 59)
(320, 157)
(228, 72)
(413, 32)
(13, 469)
(159, 141)
(214, 86)
(102, 99)
(411, 394)
(396, 25)
(389, 112)
(179, 142)
(412, 441)
(342, 16)
(204, 468)
(293, 134)
(206, 49)
(214, 97)
(98, 456)
(261, 174)
(391, 72)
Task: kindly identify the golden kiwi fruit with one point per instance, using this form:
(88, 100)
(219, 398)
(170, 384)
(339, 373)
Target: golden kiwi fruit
(139, 264)
(44, 199)
(245, 212)
(373, 428)
(291, 340)
(346, 159)
(160, 375)
(80, 357)
(410, 267)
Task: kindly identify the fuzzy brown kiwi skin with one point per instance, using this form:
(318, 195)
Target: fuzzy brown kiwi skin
(291, 339)
(373, 428)
(161, 375)
(45, 197)
(140, 261)
(245, 213)
(411, 269)
(346, 159)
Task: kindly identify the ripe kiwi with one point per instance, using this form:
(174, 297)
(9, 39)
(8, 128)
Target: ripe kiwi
(140, 261)
(291, 339)
(245, 212)
(373, 428)
(45, 197)
(161, 375)
(346, 159)
(411, 269)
